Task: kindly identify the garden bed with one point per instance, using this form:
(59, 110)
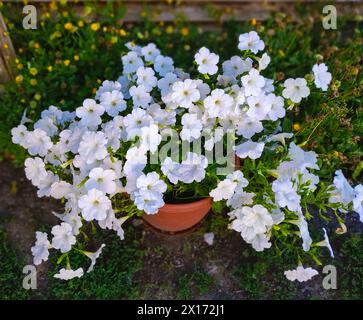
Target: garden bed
(159, 266)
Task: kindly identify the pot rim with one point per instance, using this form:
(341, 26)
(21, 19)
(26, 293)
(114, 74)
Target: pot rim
(187, 205)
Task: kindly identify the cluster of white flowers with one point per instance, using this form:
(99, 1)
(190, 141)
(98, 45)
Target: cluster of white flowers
(90, 156)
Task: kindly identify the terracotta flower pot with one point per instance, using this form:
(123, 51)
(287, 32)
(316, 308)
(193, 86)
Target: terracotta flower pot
(181, 216)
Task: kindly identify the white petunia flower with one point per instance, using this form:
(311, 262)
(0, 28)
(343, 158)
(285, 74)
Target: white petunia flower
(358, 201)
(304, 232)
(146, 77)
(45, 184)
(264, 62)
(277, 110)
(192, 168)
(151, 183)
(209, 238)
(218, 104)
(133, 122)
(113, 102)
(249, 126)
(253, 83)
(60, 189)
(238, 177)
(40, 250)
(185, 93)
(94, 256)
(251, 221)
(192, 127)
(169, 168)
(35, 170)
(250, 149)
(251, 41)
(150, 52)
(68, 274)
(322, 77)
(102, 180)
(240, 199)
(342, 192)
(150, 138)
(165, 84)
(163, 65)
(326, 243)
(38, 142)
(93, 146)
(19, 135)
(224, 190)
(236, 66)
(295, 89)
(303, 159)
(136, 161)
(300, 274)
(259, 106)
(108, 86)
(285, 194)
(149, 202)
(206, 61)
(94, 205)
(280, 137)
(140, 96)
(260, 242)
(47, 125)
(131, 62)
(90, 113)
(63, 238)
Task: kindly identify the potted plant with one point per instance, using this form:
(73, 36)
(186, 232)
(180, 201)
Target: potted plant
(161, 143)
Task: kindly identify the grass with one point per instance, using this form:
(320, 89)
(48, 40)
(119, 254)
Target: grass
(112, 278)
(198, 280)
(11, 266)
(260, 275)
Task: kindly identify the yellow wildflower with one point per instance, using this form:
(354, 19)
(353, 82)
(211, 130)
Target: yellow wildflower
(169, 29)
(80, 24)
(296, 126)
(19, 66)
(33, 82)
(253, 22)
(113, 40)
(123, 33)
(33, 71)
(68, 26)
(50, 68)
(95, 26)
(184, 31)
(76, 57)
(19, 78)
(66, 62)
(37, 96)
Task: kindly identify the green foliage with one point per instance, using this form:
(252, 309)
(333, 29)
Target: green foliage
(11, 276)
(261, 275)
(198, 279)
(112, 277)
(350, 268)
